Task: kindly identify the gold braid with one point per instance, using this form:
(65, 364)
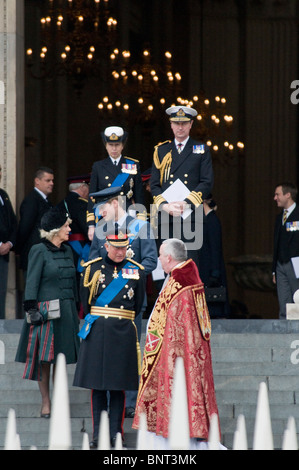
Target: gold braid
(91, 284)
(163, 166)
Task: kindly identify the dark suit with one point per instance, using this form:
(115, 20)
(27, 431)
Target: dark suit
(286, 246)
(8, 231)
(33, 207)
(104, 173)
(211, 267)
(193, 166)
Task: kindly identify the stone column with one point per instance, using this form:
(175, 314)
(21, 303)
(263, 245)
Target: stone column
(12, 116)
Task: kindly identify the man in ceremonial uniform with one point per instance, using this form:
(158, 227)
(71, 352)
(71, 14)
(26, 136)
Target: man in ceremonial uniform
(179, 326)
(109, 357)
(188, 163)
(142, 247)
(115, 170)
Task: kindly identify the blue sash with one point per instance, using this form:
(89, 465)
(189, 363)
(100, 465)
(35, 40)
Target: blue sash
(134, 228)
(106, 296)
(82, 251)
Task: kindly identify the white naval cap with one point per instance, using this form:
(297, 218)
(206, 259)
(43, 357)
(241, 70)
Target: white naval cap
(181, 113)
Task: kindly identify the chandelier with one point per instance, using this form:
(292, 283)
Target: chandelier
(139, 92)
(74, 36)
(214, 126)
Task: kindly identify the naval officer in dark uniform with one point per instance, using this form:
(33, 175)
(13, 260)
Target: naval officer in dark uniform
(115, 170)
(142, 247)
(109, 357)
(186, 162)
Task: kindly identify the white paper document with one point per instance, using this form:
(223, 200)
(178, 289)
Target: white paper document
(158, 273)
(177, 191)
(295, 262)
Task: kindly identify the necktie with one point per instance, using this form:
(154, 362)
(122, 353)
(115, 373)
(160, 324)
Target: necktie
(285, 214)
(180, 147)
(115, 162)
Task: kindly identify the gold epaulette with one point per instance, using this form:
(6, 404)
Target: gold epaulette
(133, 159)
(135, 262)
(162, 143)
(142, 215)
(91, 261)
(83, 199)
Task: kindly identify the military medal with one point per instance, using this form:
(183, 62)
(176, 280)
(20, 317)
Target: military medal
(198, 149)
(130, 253)
(115, 275)
(130, 293)
(130, 273)
(130, 168)
(292, 226)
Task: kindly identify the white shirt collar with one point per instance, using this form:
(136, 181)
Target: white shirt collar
(40, 192)
(121, 221)
(291, 208)
(115, 160)
(183, 143)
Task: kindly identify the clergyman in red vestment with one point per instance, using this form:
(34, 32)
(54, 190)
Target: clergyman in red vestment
(179, 326)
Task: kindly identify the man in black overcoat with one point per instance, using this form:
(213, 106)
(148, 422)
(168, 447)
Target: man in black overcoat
(33, 207)
(109, 357)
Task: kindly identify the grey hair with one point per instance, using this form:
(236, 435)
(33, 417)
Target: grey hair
(175, 248)
(49, 235)
(74, 186)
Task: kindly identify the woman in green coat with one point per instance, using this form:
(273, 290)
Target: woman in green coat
(51, 275)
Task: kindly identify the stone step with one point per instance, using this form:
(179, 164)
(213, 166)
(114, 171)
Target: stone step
(244, 353)
(35, 432)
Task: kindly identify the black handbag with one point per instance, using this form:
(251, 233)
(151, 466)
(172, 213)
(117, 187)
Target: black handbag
(215, 294)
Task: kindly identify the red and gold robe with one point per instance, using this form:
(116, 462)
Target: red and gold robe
(179, 327)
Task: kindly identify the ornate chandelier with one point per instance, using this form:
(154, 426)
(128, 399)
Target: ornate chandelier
(214, 126)
(138, 92)
(74, 38)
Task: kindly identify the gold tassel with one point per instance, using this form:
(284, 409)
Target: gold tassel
(93, 284)
(138, 351)
(164, 166)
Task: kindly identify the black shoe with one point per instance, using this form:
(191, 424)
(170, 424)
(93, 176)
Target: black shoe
(112, 442)
(130, 412)
(93, 444)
